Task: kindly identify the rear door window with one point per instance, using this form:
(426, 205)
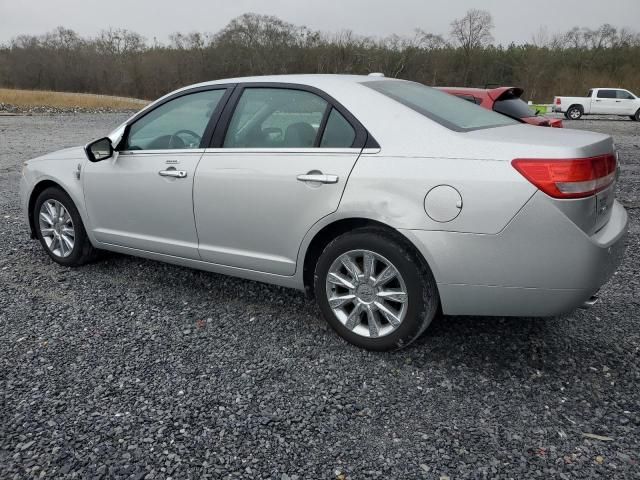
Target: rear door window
(606, 94)
(275, 118)
(338, 133)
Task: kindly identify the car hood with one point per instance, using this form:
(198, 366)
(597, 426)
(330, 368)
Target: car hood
(71, 153)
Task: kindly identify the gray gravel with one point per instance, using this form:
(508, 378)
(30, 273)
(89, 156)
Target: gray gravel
(7, 108)
(128, 368)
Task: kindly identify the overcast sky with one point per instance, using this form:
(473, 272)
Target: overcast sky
(515, 20)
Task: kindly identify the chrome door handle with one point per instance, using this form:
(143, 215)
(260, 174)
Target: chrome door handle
(173, 173)
(318, 177)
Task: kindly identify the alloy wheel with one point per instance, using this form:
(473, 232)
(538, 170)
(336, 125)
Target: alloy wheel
(366, 293)
(56, 228)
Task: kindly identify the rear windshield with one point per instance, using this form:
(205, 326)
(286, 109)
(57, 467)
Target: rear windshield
(447, 110)
(513, 107)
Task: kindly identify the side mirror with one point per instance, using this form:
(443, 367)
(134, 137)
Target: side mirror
(99, 150)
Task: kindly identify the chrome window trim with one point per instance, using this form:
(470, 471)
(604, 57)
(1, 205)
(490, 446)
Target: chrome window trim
(172, 151)
(311, 150)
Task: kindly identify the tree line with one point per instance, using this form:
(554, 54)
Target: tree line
(122, 62)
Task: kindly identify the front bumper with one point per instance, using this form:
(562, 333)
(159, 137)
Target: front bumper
(25, 188)
(541, 264)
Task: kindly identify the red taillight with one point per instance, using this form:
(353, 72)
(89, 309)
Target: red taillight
(558, 101)
(569, 178)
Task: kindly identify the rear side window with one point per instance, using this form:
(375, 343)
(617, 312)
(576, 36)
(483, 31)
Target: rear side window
(447, 110)
(606, 94)
(338, 133)
(275, 118)
(513, 107)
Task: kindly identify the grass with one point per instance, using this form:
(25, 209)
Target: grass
(43, 98)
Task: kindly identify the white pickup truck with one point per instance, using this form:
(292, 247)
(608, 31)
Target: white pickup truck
(599, 101)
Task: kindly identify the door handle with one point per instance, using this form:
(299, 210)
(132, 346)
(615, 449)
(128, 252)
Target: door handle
(618, 101)
(173, 173)
(318, 177)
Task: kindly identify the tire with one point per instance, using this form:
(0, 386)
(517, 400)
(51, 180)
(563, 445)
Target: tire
(57, 234)
(351, 318)
(636, 117)
(574, 112)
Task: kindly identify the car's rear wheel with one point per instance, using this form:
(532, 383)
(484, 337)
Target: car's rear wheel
(374, 290)
(574, 113)
(60, 229)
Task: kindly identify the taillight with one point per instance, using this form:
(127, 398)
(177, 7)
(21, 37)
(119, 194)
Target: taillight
(569, 178)
(558, 101)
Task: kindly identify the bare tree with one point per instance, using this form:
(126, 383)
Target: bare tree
(123, 63)
(472, 32)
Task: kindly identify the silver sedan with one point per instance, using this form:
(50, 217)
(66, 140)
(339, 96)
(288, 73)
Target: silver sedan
(385, 199)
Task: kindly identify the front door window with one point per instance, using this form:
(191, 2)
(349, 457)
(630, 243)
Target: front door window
(177, 124)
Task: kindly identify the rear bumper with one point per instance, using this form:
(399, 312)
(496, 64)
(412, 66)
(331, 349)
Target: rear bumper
(541, 264)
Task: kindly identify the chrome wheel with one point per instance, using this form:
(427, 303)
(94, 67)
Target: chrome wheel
(366, 293)
(575, 114)
(56, 228)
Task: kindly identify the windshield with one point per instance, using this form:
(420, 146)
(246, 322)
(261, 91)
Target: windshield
(447, 110)
(513, 107)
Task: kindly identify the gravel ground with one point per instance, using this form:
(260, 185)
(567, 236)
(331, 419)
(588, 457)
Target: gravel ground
(129, 368)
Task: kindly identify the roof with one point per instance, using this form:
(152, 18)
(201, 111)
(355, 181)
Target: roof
(313, 79)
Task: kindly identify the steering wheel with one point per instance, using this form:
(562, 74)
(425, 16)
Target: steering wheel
(177, 136)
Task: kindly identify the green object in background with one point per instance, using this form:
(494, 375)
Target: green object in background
(540, 109)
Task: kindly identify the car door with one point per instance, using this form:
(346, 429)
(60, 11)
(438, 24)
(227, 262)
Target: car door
(142, 197)
(278, 165)
(605, 103)
(626, 102)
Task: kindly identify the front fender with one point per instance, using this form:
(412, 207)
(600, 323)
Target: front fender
(66, 173)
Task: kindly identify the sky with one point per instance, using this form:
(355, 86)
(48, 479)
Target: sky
(515, 20)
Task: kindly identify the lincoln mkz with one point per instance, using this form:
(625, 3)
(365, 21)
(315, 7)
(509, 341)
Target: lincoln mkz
(386, 200)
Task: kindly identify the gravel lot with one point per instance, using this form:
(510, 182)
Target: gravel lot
(129, 368)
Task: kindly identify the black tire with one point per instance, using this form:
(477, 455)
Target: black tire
(574, 112)
(422, 292)
(636, 117)
(82, 251)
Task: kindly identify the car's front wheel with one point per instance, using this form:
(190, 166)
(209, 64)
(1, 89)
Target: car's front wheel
(636, 117)
(60, 229)
(374, 290)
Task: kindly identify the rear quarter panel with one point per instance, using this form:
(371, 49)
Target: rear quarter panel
(394, 188)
